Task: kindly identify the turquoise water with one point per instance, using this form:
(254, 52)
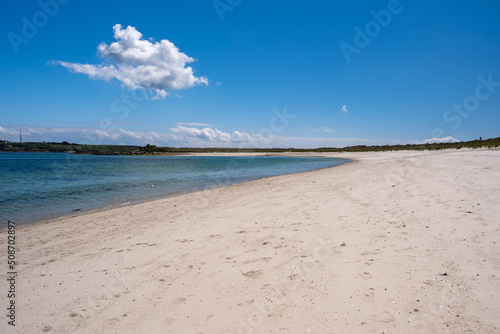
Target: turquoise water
(38, 186)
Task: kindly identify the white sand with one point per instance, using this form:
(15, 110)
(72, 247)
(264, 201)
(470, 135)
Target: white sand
(360, 248)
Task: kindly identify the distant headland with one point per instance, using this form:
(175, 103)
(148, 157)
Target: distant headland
(66, 147)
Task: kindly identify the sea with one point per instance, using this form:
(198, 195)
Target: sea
(42, 186)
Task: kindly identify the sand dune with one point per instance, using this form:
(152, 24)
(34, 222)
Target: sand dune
(399, 242)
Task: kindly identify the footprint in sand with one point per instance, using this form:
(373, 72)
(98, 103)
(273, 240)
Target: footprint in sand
(366, 275)
(179, 300)
(215, 273)
(253, 273)
(369, 262)
(263, 259)
(385, 317)
(250, 261)
(370, 292)
(374, 252)
(206, 320)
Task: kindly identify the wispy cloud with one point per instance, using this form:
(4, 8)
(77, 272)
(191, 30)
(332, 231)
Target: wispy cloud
(344, 109)
(139, 63)
(321, 129)
(112, 135)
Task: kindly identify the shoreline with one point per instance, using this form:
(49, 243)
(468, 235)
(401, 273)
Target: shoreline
(397, 242)
(160, 197)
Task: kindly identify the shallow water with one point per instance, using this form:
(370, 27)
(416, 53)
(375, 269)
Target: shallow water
(38, 186)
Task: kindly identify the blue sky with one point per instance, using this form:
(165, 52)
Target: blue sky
(239, 73)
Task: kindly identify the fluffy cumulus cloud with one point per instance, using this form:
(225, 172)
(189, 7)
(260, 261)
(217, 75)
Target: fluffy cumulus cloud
(215, 137)
(139, 63)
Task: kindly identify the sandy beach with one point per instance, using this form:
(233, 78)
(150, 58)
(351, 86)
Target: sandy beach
(398, 242)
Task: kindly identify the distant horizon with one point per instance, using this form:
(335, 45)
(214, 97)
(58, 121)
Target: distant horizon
(265, 141)
(65, 142)
(250, 74)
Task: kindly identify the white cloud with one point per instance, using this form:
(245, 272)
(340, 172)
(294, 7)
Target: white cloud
(344, 109)
(439, 140)
(179, 136)
(206, 134)
(211, 136)
(322, 129)
(140, 63)
(130, 134)
(93, 136)
(218, 83)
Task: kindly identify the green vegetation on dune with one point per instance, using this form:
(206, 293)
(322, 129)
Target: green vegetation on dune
(69, 148)
(486, 143)
(152, 149)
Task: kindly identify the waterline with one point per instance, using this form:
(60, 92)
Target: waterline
(38, 186)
